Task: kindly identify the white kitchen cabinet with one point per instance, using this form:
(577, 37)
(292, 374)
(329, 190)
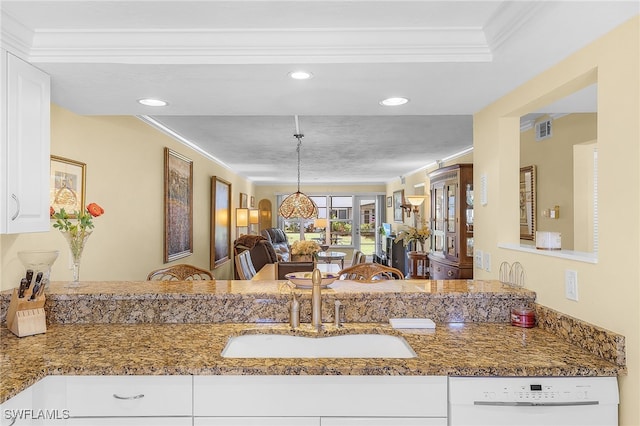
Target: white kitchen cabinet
(129, 396)
(384, 421)
(130, 421)
(256, 421)
(323, 397)
(24, 146)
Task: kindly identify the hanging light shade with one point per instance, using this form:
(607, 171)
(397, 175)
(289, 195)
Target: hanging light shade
(298, 204)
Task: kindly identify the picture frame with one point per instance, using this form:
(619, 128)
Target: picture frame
(389, 201)
(178, 206)
(398, 212)
(252, 202)
(220, 251)
(528, 203)
(243, 200)
(67, 185)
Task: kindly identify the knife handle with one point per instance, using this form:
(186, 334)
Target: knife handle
(29, 277)
(22, 288)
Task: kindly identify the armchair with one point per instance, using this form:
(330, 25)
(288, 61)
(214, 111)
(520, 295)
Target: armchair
(278, 240)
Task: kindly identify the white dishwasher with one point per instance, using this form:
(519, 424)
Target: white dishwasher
(533, 401)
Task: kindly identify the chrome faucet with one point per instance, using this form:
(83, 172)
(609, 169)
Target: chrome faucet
(316, 299)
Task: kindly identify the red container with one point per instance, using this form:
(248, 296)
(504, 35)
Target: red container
(523, 317)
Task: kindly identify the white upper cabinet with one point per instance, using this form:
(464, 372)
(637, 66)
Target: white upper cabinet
(25, 147)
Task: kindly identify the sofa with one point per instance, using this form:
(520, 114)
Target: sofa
(278, 240)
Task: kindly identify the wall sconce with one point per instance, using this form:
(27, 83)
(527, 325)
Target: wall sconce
(254, 219)
(242, 219)
(254, 216)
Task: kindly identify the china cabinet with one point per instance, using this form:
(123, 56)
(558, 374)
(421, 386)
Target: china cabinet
(451, 222)
(24, 146)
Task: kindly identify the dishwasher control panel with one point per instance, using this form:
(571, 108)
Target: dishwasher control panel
(536, 392)
(535, 389)
(527, 401)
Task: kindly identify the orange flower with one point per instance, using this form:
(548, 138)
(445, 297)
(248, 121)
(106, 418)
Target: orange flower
(95, 210)
(51, 211)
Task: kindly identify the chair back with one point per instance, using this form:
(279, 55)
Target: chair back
(358, 257)
(284, 268)
(370, 272)
(244, 265)
(180, 272)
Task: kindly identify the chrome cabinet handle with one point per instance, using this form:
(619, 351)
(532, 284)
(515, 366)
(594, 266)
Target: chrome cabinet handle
(139, 396)
(18, 205)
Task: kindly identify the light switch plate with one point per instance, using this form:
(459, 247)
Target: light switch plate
(478, 258)
(486, 260)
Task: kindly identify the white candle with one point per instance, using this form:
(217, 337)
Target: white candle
(297, 127)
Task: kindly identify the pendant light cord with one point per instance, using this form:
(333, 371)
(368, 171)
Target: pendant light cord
(299, 136)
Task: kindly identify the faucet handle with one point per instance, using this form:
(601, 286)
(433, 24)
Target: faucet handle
(336, 320)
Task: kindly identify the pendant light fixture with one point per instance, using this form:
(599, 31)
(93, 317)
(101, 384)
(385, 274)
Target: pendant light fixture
(298, 204)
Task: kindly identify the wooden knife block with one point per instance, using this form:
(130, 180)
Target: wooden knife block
(26, 317)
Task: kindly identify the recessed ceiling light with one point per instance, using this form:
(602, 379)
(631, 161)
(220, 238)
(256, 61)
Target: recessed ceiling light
(394, 101)
(300, 75)
(153, 102)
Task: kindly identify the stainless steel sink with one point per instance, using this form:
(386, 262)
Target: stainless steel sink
(343, 346)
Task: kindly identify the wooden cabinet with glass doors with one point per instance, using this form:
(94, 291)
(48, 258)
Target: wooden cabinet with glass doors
(451, 255)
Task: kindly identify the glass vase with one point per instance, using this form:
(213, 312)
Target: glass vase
(76, 241)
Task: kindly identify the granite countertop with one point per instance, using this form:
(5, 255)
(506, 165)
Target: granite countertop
(144, 327)
(490, 349)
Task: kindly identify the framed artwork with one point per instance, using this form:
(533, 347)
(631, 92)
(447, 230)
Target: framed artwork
(389, 202)
(243, 200)
(398, 213)
(528, 203)
(67, 185)
(178, 206)
(252, 203)
(220, 222)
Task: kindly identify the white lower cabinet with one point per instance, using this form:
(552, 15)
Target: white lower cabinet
(256, 421)
(231, 401)
(320, 400)
(383, 421)
(129, 396)
(131, 421)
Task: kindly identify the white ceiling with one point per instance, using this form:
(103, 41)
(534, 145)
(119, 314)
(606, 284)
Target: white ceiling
(223, 65)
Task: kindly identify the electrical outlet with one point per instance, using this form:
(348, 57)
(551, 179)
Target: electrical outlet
(571, 284)
(486, 260)
(478, 258)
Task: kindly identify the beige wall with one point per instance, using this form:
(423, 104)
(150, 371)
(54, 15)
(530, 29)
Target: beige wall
(608, 290)
(553, 158)
(125, 169)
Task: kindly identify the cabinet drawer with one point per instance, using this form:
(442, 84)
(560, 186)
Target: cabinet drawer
(256, 421)
(126, 396)
(386, 421)
(130, 421)
(444, 272)
(297, 396)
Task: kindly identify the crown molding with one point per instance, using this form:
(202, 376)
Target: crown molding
(257, 46)
(16, 38)
(509, 19)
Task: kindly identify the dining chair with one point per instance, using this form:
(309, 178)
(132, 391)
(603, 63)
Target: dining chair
(370, 272)
(182, 272)
(244, 265)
